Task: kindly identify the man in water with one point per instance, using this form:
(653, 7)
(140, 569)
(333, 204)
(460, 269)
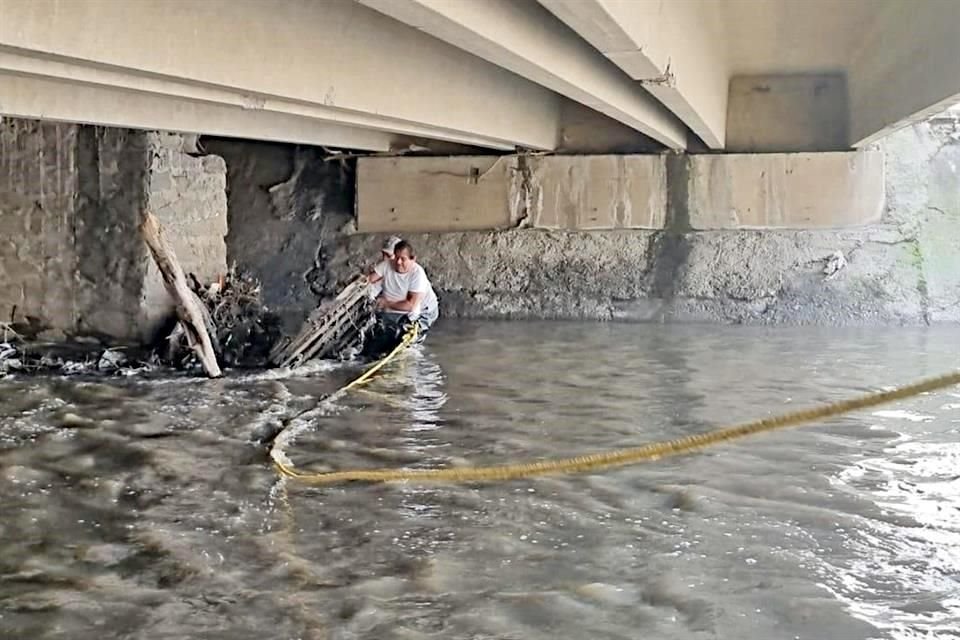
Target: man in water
(406, 295)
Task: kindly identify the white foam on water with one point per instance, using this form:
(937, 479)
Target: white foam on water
(899, 414)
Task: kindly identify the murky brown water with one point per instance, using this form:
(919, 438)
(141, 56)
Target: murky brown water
(141, 509)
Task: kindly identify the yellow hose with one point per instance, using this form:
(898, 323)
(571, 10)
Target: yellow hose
(615, 458)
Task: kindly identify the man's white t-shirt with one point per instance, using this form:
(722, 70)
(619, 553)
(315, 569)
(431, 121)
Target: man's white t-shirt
(396, 286)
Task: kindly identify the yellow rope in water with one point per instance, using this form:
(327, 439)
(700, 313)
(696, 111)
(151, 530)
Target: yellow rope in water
(618, 457)
(409, 337)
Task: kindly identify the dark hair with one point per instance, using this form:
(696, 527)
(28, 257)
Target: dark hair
(403, 244)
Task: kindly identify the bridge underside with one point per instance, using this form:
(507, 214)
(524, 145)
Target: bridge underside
(740, 75)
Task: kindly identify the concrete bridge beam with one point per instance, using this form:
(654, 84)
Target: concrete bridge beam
(676, 50)
(335, 61)
(523, 37)
(907, 69)
(56, 101)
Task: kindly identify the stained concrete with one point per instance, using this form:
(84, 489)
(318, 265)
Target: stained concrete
(38, 183)
(597, 192)
(902, 270)
(522, 273)
(781, 113)
(71, 199)
(488, 192)
(785, 190)
(286, 206)
(438, 194)
(71, 262)
(111, 263)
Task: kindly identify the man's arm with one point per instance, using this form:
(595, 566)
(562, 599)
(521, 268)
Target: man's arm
(375, 274)
(414, 298)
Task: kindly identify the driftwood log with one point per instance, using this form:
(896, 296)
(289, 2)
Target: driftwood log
(193, 317)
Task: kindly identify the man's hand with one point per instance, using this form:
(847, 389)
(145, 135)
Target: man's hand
(382, 303)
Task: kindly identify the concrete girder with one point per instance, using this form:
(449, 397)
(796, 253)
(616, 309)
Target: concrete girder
(45, 99)
(675, 49)
(521, 36)
(907, 70)
(334, 60)
(362, 129)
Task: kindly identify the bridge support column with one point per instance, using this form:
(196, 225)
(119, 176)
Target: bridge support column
(71, 197)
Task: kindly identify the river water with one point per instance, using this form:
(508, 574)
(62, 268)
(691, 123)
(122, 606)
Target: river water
(144, 508)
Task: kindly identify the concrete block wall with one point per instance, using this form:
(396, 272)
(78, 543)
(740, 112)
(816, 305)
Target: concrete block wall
(187, 193)
(71, 200)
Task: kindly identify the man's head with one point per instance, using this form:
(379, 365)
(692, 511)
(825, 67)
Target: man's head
(403, 257)
(389, 247)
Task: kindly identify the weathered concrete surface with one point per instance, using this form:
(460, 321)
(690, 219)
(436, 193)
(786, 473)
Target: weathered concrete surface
(781, 113)
(438, 194)
(777, 277)
(111, 260)
(743, 276)
(286, 206)
(187, 194)
(583, 130)
(38, 184)
(71, 198)
(903, 270)
(486, 192)
(923, 165)
(521, 273)
(785, 190)
(598, 192)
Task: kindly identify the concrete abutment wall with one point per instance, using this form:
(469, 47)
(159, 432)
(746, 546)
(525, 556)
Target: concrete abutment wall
(712, 238)
(72, 262)
(804, 238)
(595, 193)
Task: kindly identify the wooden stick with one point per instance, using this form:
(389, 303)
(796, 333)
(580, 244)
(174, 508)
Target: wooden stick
(188, 306)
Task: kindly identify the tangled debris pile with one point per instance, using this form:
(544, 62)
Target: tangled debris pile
(242, 329)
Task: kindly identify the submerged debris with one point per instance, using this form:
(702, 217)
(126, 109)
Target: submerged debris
(243, 329)
(834, 263)
(20, 354)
